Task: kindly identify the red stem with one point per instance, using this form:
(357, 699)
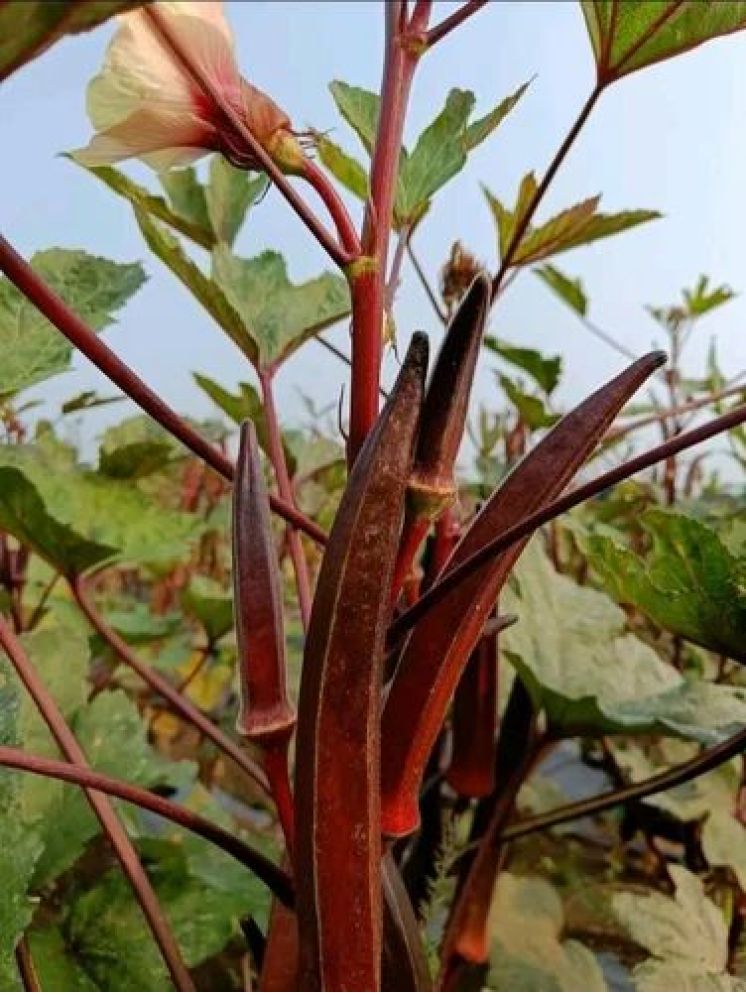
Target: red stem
(453, 21)
(337, 210)
(368, 281)
(532, 522)
(73, 773)
(276, 764)
(26, 966)
(82, 337)
(285, 488)
(102, 808)
(161, 686)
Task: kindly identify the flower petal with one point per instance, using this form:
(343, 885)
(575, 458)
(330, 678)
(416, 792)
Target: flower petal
(163, 139)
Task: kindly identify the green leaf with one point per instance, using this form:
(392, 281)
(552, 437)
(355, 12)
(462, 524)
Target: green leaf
(527, 954)
(207, 292)
(211, 605)
(579, 666)
(277, 314)
(29, 28)
(686, 935)
(480, 130)
(568, 290)
(31, 348)
(245, 404)
(86, 400)
(19, 847)
(576, 226)
(344, 167)
(702, 299)
(114, 739)
(359, 108)
(186, 196)
(56, 963)
(77, 519)
(438, 156)
(24, 515)
(629, 36)
(141, 197)
(545, 370)
(229, 194)
(203, 894)
(135, 448)
(531, 409)
(690, 583)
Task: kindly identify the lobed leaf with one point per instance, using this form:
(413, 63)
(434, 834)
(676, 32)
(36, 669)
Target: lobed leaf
(626, 37)
(31, 349)
(544, 370)
(278, 316)
(690, 583)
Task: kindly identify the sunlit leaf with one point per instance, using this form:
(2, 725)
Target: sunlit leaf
(531, 410)
(344, 167)
(206, 291)
(544, 370)
(569, 646)
(278, 315)
(686, 935)
(629, 36)
(568, 290)
(527, 952)
(229, 194)
(31, 349)
(690, 583)
(573, 227)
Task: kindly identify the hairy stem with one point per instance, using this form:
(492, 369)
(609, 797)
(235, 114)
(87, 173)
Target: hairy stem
(102, 808)
(82, 337)
(181, 705)
(74, 773)
(368, 283)
(285, 488)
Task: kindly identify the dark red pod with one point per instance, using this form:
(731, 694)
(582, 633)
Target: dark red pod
(338, 851)
(439, 646)
(471, 769)
(265, 715)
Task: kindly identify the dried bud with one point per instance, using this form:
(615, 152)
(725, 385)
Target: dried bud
(457, 276)
(145, 103)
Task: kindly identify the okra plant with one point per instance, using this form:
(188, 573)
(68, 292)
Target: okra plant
(288, 708)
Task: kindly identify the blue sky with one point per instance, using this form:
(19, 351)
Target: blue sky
(670, 138)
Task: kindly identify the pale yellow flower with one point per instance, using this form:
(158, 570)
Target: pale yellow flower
(144, 103)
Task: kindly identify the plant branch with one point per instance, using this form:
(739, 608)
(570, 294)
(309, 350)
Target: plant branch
(500, 543)
(334, 204)
(422, 277)
(36, 614)
(705, 761)
(285, 488)
(258, 152)
(368, 277)
(546, 180)
(102, 808)
(620, 431)
(26, 966)
(454, 20)
(73, 773)
(181, 705)
(20, 273)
